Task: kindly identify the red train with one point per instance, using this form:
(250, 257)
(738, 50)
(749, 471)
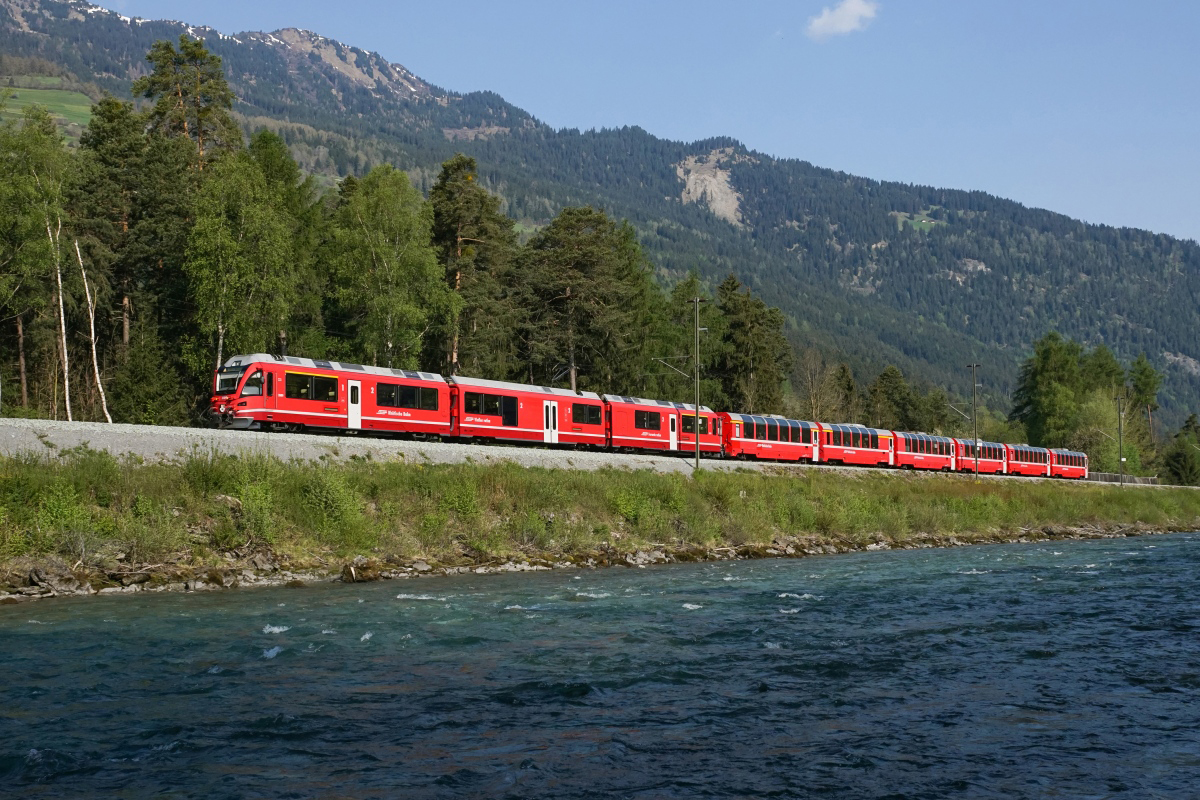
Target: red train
(285, 393)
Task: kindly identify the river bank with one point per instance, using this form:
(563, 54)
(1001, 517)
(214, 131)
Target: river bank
(84, 522)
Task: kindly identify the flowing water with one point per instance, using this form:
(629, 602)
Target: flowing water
(1069, 669)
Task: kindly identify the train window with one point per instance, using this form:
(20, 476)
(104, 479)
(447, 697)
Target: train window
(297, 386)
(393, 395)
(773, 430)
(253, 387)
(760, 430)
(806, 435)
(325, 388)
(689, 424)
(354, 395)
(227, 381)
(855, 439)
(473, 403)
(270, 384)
(704, 426)
(508, 409)
(874, 440)
(585, 415)
(491, 404)
(647, 420)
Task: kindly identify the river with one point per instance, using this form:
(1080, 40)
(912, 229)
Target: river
(1060, 670)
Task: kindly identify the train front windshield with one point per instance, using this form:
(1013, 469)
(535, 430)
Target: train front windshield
(227, 379)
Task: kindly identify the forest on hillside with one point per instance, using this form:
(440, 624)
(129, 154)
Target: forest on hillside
(135, 263)
(872, 273)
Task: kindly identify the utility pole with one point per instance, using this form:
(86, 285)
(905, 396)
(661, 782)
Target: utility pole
(1121, 436)
(975, 420)
(696, 467)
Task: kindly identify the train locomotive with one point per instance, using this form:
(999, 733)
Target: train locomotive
(286, 393)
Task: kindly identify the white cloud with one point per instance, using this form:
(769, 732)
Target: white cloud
(847, 16)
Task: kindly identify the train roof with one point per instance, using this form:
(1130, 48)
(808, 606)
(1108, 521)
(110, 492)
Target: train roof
(931, 436)
(1029, 447)
(777, 417)
(1063, 452)
(343, 366)
(844, 426)
(641, 401)
(982, 443)
(480, 383)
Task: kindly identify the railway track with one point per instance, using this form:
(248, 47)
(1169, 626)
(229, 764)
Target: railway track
(153, 443)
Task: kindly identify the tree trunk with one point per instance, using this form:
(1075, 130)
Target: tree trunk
(126, 309)
(87, 292)
(220, 343)
(458, 247)
(571, 338)
(62, 314)
(21, 362)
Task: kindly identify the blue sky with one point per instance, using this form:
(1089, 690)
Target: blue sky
(1088, 107)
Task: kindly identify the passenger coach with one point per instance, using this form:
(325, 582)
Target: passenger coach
(1068, 464)
(502, 411)
(636, 423)
(922, 451)
(992, 457)
(857, 444)
(770, 437)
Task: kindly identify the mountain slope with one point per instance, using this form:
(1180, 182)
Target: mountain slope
(928, 279)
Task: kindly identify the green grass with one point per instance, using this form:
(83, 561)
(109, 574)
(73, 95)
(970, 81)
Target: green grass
(87, 506)
(921, 220)
(31, 81)
(71, 107)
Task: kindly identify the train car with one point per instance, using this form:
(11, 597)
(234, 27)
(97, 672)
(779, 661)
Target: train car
(1026, 460)
(856, 444)
(517, 412)
(1068, 464)
(770, 437)
(923, 451)
(635, 423)
(286, 393)
(992, 457)
(710, 429)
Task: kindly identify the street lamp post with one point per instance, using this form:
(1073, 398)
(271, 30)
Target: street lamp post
(975, 420)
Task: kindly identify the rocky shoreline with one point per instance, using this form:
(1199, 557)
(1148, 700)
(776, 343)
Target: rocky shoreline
(26, 579)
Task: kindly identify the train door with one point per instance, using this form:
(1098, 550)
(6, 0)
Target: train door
(674, 431)
(354, 404)
(550, 421)
(269, 391)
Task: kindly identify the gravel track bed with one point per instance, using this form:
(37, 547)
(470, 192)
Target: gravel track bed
(163, 443)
